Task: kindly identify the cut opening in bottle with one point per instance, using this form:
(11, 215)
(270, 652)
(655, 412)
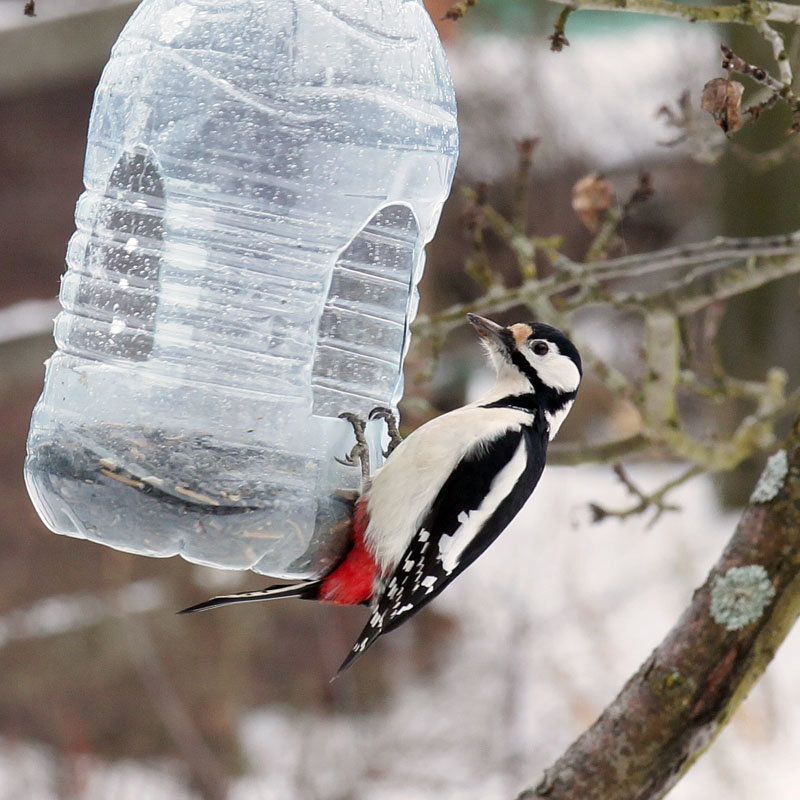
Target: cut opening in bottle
(362, 332)
(116, 254)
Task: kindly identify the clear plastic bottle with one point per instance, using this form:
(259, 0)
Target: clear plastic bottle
(261, 179)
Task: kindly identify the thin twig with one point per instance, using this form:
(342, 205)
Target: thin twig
(477, 265)
(646, 500)
(768, 159)
(522, 246)
(781, 89)
(615, 216)
(525, 150)
(688, 296)
(774, 257)
(734, 63)
(598, 249)
(558, 39)
(743, 13)
(775, 40)
(573, 453)
(457, 10)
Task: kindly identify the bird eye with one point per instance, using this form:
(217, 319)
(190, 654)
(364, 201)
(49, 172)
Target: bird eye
(540, 348)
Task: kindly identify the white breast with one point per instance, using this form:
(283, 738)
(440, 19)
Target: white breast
(404, 489)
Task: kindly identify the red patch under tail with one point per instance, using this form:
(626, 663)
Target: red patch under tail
(352, 581)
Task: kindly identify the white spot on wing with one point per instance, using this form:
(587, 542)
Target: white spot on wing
(429, 583)
(452, 547)
(376, 620)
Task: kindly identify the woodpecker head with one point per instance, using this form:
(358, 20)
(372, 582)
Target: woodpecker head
(530, 357)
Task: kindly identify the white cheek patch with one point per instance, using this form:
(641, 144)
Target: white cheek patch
(560, 373)
(557, 371)
(451, 547)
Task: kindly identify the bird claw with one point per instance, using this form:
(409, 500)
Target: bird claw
(360, 451)
(387, 415)
(359, 454)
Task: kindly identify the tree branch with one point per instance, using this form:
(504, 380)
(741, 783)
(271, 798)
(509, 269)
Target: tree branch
(745, 13)
(691, 278)
(775, 41)
(671, 710)
(573, 453)
(699, 289)
(645, 500)
(769, 258)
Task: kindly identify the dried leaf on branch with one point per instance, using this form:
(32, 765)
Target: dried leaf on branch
(591, 196)
(722, 98)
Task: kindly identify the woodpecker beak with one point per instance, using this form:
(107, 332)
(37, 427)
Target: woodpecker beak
(488, 330)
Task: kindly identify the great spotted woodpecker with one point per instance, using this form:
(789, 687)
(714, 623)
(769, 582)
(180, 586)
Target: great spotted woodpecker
(451, 487)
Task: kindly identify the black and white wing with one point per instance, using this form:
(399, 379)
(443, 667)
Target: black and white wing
(476, 503)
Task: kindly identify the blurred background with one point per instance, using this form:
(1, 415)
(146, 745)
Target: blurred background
(105, 693)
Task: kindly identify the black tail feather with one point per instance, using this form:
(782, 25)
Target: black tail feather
(308, 590)
(367, 638)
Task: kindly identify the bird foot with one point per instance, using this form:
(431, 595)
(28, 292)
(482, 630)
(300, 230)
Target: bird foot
(360, 451)
(359, 454)
(387, 415)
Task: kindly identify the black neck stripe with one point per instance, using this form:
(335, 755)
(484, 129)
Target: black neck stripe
(547, 397)
(550, 401)
(522, 402)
